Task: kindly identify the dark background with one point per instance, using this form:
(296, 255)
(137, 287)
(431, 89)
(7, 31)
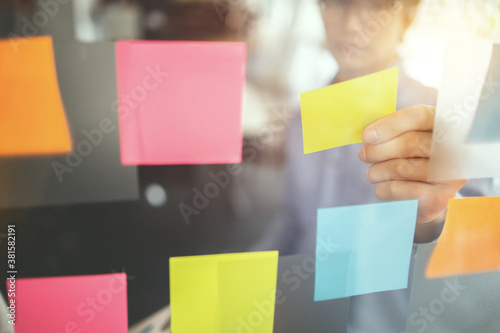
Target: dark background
(134, 236)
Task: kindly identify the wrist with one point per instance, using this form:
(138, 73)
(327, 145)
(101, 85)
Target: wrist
(426, 232)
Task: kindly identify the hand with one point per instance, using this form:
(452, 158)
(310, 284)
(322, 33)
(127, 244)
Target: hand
(399, 148)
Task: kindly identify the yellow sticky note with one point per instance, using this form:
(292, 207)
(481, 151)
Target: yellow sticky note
(336, 115)
(224, 293)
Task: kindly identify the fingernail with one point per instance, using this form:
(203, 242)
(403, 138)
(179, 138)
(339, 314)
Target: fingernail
(371, 136)
(367, 175)
(362, 154)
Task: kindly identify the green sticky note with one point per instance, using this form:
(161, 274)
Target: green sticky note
(336, 115)
(224, 293)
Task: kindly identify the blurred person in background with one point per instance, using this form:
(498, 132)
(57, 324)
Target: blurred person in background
(363, 37)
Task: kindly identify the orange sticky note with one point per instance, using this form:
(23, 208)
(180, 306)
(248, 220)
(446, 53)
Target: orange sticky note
(470, 242)
(32, 119)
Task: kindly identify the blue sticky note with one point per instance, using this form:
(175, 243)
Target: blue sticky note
(487, 121)
(364, 249)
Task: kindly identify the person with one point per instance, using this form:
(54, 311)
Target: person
(391, 164)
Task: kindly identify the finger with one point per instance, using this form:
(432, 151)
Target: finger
(414, 118)
(408, 145)
(396, 190)
(414, 169)
(432, 198)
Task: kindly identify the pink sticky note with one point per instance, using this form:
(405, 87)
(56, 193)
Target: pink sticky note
(180, 102)
(85, 304)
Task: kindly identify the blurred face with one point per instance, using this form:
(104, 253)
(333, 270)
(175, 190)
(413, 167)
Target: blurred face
(363, 35)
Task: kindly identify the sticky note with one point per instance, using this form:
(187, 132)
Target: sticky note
(32, 118)
(452, 157)
(486, 126)
(92, 172)
(180, 102)
(224, 293)
(336, 115)
(364, 249)
(470, 241)
(93, 304)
